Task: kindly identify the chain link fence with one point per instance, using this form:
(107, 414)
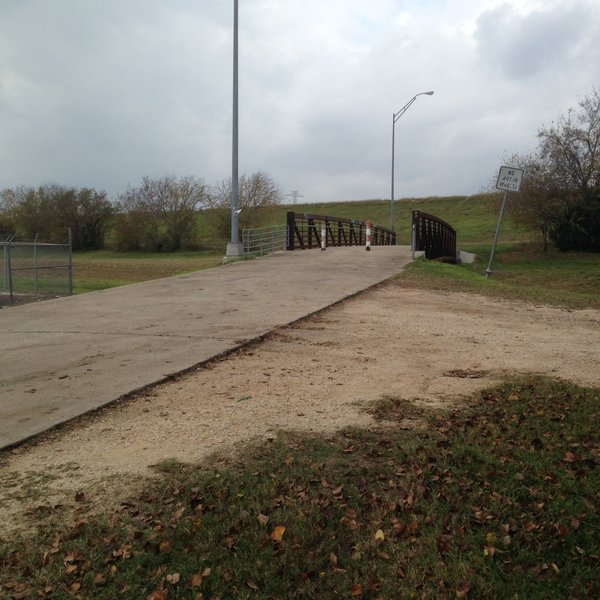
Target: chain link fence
(33, 270)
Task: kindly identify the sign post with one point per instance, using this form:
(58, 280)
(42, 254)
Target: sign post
(509, 180)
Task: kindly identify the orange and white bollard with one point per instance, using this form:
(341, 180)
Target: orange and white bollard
(323, 237)
(368, 247)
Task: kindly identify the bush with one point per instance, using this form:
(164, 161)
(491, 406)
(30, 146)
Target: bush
(578, 228)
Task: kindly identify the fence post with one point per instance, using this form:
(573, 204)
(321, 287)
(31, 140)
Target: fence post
(368, 232)
(291, 226)
(70, 262)
(35, 265)
(323, 236)
(10, 284)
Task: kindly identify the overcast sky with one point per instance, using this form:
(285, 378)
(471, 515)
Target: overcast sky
(100, 93)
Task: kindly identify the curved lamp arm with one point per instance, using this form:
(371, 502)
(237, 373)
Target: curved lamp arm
(409, 104)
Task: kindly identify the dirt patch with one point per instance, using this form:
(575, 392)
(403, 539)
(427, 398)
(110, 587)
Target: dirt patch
(429, 348)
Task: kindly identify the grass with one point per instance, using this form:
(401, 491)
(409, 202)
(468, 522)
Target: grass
(104, 269)
(521, 271)
(473, 217)
(497, 499)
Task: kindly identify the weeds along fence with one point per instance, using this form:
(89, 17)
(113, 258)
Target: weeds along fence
(304, 232)
(33, 270)
(264, 240)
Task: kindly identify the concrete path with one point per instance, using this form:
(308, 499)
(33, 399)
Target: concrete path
(62, 358)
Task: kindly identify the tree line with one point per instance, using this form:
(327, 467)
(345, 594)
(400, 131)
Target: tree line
(560, 194)
(160, 215)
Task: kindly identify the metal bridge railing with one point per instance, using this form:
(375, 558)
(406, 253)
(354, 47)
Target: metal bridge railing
(304, 231)
(432, 235)
(264, 240)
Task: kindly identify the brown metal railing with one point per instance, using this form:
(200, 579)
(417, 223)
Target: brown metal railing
(433, 235)
(304, 232)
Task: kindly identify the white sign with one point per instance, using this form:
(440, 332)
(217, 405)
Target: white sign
(509, 179)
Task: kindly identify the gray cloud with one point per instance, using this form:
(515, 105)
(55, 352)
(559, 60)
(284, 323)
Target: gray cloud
(526, 45)
(103, 93)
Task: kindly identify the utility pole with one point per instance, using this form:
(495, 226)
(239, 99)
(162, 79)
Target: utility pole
(294, 194)
(234, 247)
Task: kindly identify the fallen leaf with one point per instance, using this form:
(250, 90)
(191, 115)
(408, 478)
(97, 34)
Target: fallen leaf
(100, 580)
(277, 535)
(196, 580)
(165, 547)
(263, 519)
(357, 589)
(252, 585)
(464, 589)
(379, 536)
(173, 578)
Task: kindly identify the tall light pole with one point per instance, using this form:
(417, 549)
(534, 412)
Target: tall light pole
(234, 248)
(395, 117)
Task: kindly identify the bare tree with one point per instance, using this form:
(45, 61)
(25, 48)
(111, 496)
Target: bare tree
(160, 215)
(540, 199)
(572, 147)
(563, 175)
(258, 196)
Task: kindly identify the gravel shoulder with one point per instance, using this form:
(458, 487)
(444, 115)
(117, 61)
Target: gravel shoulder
(433, 348)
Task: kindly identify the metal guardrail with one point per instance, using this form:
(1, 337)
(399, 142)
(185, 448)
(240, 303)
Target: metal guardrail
(304, 231)
(432, 235)
(264, 240)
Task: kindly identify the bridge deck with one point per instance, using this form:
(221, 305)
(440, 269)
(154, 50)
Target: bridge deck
(62, 358)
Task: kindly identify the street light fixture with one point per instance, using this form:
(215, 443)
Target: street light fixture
(395, 117)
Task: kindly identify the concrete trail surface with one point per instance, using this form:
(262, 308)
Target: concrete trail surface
(65, 357)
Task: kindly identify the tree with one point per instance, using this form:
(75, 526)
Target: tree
(258, 195)
(49, 211)
(160, 215)
(572, 147)
(539, 202)
(10, 198)
(94, 212)
(562, 179)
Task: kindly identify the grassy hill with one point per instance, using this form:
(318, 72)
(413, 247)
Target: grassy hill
(473, 217)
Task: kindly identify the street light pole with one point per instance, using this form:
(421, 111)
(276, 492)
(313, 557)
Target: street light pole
(395, 117)
(234, 248)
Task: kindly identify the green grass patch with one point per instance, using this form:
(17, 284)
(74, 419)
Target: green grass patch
(103, 269)
(473, 217)
(498, 499)
(520, 272)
